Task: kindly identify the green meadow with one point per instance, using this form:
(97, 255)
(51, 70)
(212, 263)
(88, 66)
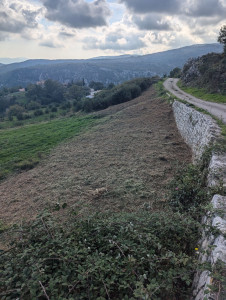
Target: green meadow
(22, 148)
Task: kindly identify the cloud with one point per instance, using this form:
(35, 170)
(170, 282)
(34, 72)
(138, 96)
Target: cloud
(195, 8)
(206, 8)
(64, 34)
(152, 22)
(7, 24)
(147, 6)
(16, 18)
(115, 41)
(77, 13)
(50, 44)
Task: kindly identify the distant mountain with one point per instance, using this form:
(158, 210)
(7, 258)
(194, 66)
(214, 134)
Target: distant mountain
(106, 69)
(113, 57)
(11, 60)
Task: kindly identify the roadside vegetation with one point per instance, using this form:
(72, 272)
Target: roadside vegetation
(206, 72)
(203, 94)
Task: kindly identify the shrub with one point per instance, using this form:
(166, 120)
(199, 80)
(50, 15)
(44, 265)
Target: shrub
(54, 109)
(126, 256)
(116, 95)
(38, 112)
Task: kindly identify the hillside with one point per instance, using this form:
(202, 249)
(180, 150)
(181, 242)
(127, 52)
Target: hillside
(106, 69)
(207, 72)
(99, 170)
(110, 214)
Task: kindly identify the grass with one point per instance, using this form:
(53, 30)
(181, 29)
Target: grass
(22, 148)
(203, 94)
(5, 123)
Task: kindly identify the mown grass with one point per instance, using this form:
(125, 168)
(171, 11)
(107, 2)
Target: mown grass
(22, 148)
(203, 94)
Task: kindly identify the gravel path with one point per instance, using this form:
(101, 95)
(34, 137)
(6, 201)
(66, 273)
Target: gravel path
(216, 109)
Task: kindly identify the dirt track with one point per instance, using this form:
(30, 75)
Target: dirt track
(122, 164)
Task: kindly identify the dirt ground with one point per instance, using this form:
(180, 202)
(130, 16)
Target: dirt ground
(122, 164)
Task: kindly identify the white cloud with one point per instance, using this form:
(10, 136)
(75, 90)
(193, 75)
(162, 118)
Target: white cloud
(86, 28)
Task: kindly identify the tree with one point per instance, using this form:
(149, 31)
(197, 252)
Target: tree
(175, 73)
(17, 111)
(222, 37)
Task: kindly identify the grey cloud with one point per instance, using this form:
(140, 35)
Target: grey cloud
(16, 23)
(2, 37)
(77, 13)
(30, 17)
(206, 8)
(151, 22)
(190, 8)
(112, 42)
(7, 24)
(50, 44)
(64, 34)
(14, 6)
(147, 6)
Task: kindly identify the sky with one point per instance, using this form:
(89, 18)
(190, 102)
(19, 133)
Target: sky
(64, 29)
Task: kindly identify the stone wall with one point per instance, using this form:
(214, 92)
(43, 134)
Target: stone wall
(200, 131)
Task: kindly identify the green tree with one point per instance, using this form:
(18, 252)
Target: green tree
(17, 111)
(175, 73)
(222, 37)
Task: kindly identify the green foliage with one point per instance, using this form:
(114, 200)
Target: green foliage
(222, 37)
(96, 85)
(175, 73)
(15, 110)
(203, 94)
(119, 94)
(206, 72)
(77, 92)
(188, 189)
(126, 256)
(52, 91)
(20, 147)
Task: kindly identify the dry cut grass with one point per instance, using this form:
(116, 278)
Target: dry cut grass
(123, 164)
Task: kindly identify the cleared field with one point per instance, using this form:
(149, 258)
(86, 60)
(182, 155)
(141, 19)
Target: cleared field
(122, 164)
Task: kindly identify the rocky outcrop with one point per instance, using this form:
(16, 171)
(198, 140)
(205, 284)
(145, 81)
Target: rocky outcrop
(207, 71)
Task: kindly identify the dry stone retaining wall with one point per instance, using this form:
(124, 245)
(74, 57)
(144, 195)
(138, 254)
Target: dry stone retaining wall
(197, 129)
(200, 131)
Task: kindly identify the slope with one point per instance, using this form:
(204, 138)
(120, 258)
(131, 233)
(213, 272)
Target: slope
(120, 165)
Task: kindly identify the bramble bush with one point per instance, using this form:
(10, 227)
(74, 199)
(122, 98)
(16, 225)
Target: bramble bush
(126, 256)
